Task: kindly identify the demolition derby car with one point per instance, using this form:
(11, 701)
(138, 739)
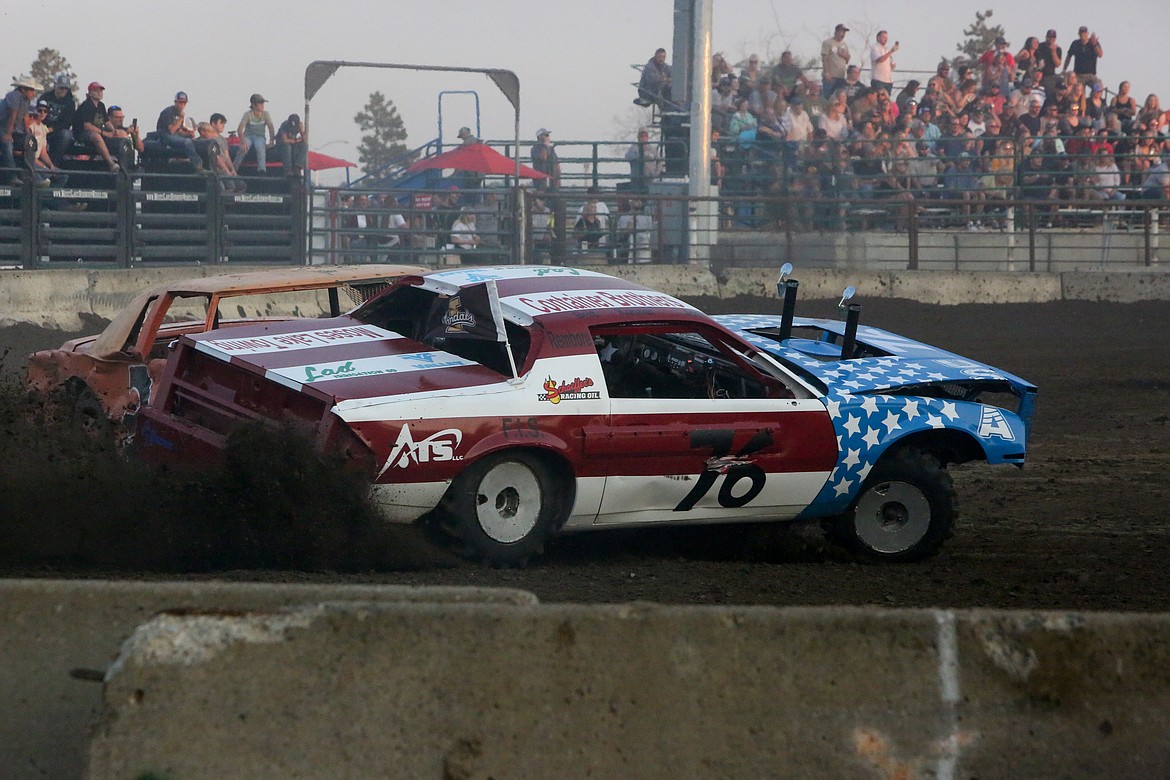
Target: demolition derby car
(102, 380)
(502, 405)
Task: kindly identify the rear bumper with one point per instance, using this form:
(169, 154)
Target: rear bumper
(163, 440)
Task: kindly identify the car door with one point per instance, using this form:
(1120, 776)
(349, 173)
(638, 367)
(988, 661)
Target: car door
(696, 432)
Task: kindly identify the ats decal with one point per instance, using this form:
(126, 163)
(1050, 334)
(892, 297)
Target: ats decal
(993, 423)
(436, 448)
(376, 366)
(568, 391)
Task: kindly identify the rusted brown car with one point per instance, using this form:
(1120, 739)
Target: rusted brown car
(101, 381)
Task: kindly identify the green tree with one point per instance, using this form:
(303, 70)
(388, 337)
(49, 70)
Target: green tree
(978, 38)
(47, 66)
(384, 133)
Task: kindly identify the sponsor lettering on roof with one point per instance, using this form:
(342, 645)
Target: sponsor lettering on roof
(583, 300)
(309, 339)
(316, 373)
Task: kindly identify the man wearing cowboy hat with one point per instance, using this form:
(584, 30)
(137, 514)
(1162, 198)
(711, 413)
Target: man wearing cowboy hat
(13, 109)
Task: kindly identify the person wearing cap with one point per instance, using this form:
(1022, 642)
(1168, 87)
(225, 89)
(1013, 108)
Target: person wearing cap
(89, 121)
(292, 145)
(544, 159)
(45, 171)
(467, 137)
(1049, 56)
(13, 109)
(834, 60)
(255, 131)
(172, 131)
(1085, 50)
(62, 106)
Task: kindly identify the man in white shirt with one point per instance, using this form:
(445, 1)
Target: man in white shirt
(882, 64)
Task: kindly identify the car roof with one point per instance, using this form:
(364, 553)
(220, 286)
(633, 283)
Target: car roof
(113, 338)
(554, 294)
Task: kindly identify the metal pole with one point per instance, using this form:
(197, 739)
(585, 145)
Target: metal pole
(702, 225)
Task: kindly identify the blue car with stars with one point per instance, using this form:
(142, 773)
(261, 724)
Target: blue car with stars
(902, 411)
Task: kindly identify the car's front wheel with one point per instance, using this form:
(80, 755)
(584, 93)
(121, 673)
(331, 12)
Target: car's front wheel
(505, 506)
(904, 512)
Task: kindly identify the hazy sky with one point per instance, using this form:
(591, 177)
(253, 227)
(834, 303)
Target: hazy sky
(573, 58)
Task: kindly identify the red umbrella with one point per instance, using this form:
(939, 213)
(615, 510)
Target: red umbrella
(477, 158)
(321, 162)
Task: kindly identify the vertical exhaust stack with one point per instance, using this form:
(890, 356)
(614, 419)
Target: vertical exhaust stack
(853, 314)
(787, 289)
(850, 340)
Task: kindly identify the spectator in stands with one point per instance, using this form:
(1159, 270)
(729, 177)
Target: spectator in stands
(835, 121)
(720, 67)
(741, 121)
(1049, 56)
(763, 96)
(62, 106)
(118, 135)
(1025, 59)
(589, 232)
(1156, 182)
(1104, 178)
(256, 133)
(45, 171)
(654, 85)
(172, 131)
(593, 199)
(907, 93)
(1032, 120)
(1072, 122)
(722, 104)
(1096, 105)
(220, 161)
(881, 62)
(543, 229)
(544, 159)
(1085, 50)
(1151, 113)
(466, 137)
(924, 169)
(1000, 167)
(13, 110)
(635, 229)
(851, 86)
(834, 60)
(463, 231)
(292, 145)
(961, 183)
(887, 109)
(89, 122)
(787, 74)
(1124, 105)
(797, 125)
(645, 165)
(749, 76)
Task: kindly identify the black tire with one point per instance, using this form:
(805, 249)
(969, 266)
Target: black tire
(505, 506)
(904, 512)
(90, 418)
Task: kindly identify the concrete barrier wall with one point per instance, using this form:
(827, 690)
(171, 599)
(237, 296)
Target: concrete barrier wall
(66, 298)
(57, 636)
(563, 691)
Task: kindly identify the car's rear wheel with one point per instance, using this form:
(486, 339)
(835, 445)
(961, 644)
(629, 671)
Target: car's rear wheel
(904, 512)
(505, 506)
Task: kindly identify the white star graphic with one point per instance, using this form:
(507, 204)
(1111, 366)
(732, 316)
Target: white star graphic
(948, 410)
(853, 425)
(935, 422)
(872, 437)
(870, 404)
(891, 421)
(854, 385)
(842, 487)
(852, 459)
(868, 376)
(911, 409)
(917, 366)
(936, 377)
(834, 408)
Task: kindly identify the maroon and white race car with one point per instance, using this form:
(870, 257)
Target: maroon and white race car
(503, 405)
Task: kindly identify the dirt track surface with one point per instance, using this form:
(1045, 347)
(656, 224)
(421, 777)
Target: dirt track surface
(1083, 526)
